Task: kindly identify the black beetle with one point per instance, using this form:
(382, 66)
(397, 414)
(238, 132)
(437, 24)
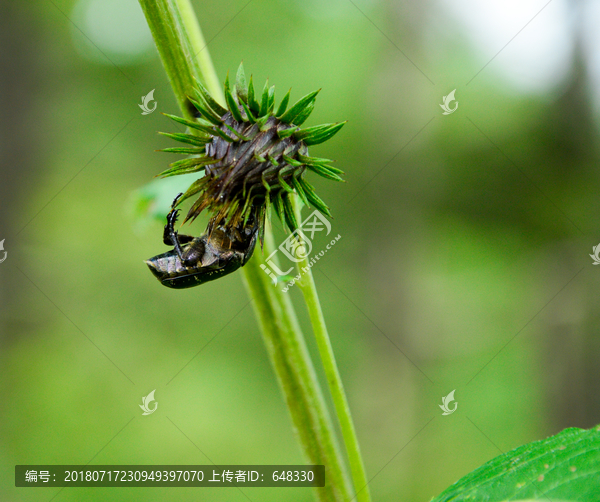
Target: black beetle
(196, 260)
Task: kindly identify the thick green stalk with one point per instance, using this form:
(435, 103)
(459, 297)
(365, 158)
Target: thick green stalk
(336, 387)
(174, 47)
(170, 21)
(207, 69)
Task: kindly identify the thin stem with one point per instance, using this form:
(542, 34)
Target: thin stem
(170, 21)
(336, 387)
(207, 69)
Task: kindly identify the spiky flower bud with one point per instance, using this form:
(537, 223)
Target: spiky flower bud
(252, 155)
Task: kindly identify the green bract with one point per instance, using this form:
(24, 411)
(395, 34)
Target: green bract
(252, 156)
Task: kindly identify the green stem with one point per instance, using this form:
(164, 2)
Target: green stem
(170, 21)
(175, 49)
(207, 69)
(296, 375)
(336, 387)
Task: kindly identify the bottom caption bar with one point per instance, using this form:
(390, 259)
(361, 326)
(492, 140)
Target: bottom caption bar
(170, 475)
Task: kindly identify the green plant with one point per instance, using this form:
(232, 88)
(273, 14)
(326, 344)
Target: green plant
(562, 467)
(179, 40)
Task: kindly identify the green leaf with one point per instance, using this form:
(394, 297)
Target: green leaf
(289, 116)
(278, 204)
(218, 109)
(282, 182)
(240, 136)
(262, 122)
(251, 117)
(182, 170)
(252, 103)
(231, 103)
(240, 84)
(192, 161)
(304, 114)
(300, 190)
(204, 109)
(264, 103)
(565, 466)
(331, 169)
(324, 171)
(314, 200)
(318, 134)
(186, 138)
(291, 161)
(326, 135)
(222, 134)
(312, 131)
(290, 217)
(284, 133)
(271, 106)
(315, 160)
(184, 150)
(185, 166)
(283, 105)
(198, 124)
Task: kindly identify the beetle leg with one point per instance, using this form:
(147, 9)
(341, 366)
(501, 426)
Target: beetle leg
(171, 237)
(171, 220)
(169, 230)
(174, 204)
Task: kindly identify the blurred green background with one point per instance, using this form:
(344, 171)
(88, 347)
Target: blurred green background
(463, 264)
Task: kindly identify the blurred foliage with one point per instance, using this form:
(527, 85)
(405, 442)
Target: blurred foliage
(463, 262)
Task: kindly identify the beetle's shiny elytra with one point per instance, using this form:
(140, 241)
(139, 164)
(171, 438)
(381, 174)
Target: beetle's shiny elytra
(196, 260)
